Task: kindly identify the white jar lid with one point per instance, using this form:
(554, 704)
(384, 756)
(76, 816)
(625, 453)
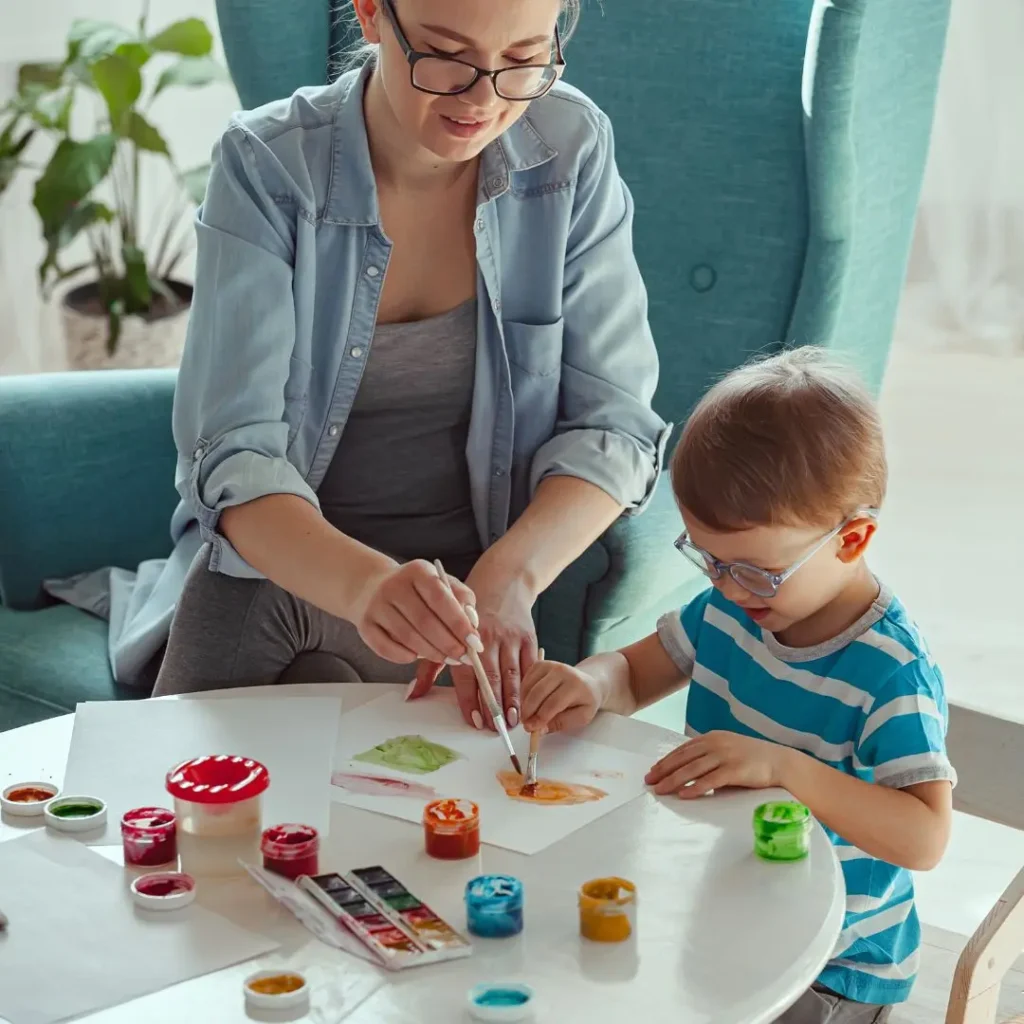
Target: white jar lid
(164, 890)
(79, 822)
(501, 1001)
(27, 808)
(275, 1001)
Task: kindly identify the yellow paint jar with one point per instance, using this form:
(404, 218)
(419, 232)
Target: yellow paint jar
(607, 909)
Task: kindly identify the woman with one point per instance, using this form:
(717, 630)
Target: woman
(419, 332)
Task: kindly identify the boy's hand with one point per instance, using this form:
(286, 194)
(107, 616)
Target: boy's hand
(715, 760)
(556, 697)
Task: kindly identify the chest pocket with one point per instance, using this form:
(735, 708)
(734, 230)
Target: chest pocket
(535, 363)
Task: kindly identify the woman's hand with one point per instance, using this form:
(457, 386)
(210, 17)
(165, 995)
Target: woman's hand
(406, 613)
(714, 760)
(509, 649)
(557, 696)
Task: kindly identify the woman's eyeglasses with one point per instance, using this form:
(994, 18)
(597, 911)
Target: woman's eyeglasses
(449, 76)
(759, 582)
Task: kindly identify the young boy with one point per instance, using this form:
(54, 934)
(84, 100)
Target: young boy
(804, 670)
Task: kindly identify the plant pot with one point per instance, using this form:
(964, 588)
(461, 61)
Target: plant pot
(156, 339)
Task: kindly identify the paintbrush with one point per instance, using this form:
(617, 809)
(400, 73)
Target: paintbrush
(481, 677)
(530, 787)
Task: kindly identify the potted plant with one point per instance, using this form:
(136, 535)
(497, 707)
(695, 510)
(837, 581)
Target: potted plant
(131, 311)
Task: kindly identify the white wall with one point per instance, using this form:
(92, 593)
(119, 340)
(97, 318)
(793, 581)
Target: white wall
(190, 120)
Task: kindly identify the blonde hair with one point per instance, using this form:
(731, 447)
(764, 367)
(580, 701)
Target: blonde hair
(360, 52)
(792, 440)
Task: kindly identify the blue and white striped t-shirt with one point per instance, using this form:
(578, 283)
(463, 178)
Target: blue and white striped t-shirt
(869, 703)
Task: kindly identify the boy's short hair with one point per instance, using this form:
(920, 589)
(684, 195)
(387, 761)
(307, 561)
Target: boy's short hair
(791, 440)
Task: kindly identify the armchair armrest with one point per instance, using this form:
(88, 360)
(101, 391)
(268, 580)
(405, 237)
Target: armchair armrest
(86, 475)
(614, 593)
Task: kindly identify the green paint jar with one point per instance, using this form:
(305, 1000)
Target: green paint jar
(782, 831)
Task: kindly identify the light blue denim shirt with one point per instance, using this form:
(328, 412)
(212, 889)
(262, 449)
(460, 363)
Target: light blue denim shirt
(291, 263)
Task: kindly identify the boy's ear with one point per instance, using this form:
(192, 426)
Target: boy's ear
(855, 538)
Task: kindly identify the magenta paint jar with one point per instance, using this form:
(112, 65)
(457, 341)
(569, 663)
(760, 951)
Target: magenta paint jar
(291, 850)
(150, 837)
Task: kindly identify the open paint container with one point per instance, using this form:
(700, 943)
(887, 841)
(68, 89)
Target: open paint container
(217, 801)
(276, 990)
(27, 799)
(607, 909)
(149, 836)
(75, 813)
(163, 890)
(782, 831)
(291, 850)
(451, 829)
(501, 1001)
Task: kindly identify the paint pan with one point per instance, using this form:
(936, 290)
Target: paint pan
(494, 906)
(501, 1001)
(75, 813)
(397, 927)
(163, 890)
(27, 799)
(276, 990)
(782, 831)
(607, 909)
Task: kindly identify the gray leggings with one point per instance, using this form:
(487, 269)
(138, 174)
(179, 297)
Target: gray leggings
(819, 1005)
(234, 632)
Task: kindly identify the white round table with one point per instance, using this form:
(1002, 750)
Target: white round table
(722, 937)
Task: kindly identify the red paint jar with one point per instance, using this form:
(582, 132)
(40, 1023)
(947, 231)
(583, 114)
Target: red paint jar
(149, 836)
(451, 829)
(291, 850)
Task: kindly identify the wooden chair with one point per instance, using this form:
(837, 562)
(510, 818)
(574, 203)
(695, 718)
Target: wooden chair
(988, 755)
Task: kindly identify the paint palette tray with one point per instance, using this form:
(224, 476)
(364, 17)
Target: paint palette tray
(369, 913)
(398, 928)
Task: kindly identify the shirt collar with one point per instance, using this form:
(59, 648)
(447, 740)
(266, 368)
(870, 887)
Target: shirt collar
(353, 190)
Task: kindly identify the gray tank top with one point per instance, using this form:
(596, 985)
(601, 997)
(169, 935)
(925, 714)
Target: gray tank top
(399, 481)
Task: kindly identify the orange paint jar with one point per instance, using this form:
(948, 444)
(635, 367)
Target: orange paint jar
(607, 909)
(451, 829)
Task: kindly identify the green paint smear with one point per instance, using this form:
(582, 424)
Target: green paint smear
(75, 810)
(414, 755)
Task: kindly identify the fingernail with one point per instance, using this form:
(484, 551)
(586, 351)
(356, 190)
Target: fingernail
(512, 716)
(452, 661)
(478, 722)
(475, 642)
(409, 689)
(466, 660)
(474, 619)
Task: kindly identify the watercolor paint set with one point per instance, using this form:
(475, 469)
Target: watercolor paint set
(399, 929)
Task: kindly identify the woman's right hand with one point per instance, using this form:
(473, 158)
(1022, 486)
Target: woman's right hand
(406, 613)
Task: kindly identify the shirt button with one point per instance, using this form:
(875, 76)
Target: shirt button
(497, 183)
(372, 271)
(497, 305)
(333, 430)
(499, 472)
(703, 278)
(480, 224)
(356, 352)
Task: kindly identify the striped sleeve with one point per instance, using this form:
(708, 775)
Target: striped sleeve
(903, 738)
(678, 632)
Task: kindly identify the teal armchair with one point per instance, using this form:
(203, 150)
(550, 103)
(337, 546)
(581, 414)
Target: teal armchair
(775, 152)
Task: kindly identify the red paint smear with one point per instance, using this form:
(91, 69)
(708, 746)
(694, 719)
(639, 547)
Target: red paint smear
(380, 785)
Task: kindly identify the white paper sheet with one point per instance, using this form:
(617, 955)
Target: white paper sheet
(511, 824)
(77, 944)
(122, 751)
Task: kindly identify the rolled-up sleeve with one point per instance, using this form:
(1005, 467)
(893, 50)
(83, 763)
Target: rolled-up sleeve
(606, 432)
(229, 407)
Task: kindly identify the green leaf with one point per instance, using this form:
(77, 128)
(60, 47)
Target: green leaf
(53, 111)
(194, 182)
(120, 84)
(81, 216)
(115, 315)
(190, 37)
(191, 72)
(136, 54)
(74, 170)
(143, 134)
(138, 293)
(89, 40)
(11, 149)
(47, 76)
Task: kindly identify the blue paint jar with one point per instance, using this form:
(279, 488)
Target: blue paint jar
(494, 906)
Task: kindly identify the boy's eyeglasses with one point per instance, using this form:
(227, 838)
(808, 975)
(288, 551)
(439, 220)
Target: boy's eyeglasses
(759, 582)
(448, 76)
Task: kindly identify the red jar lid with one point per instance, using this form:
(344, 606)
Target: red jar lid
(218, 779)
